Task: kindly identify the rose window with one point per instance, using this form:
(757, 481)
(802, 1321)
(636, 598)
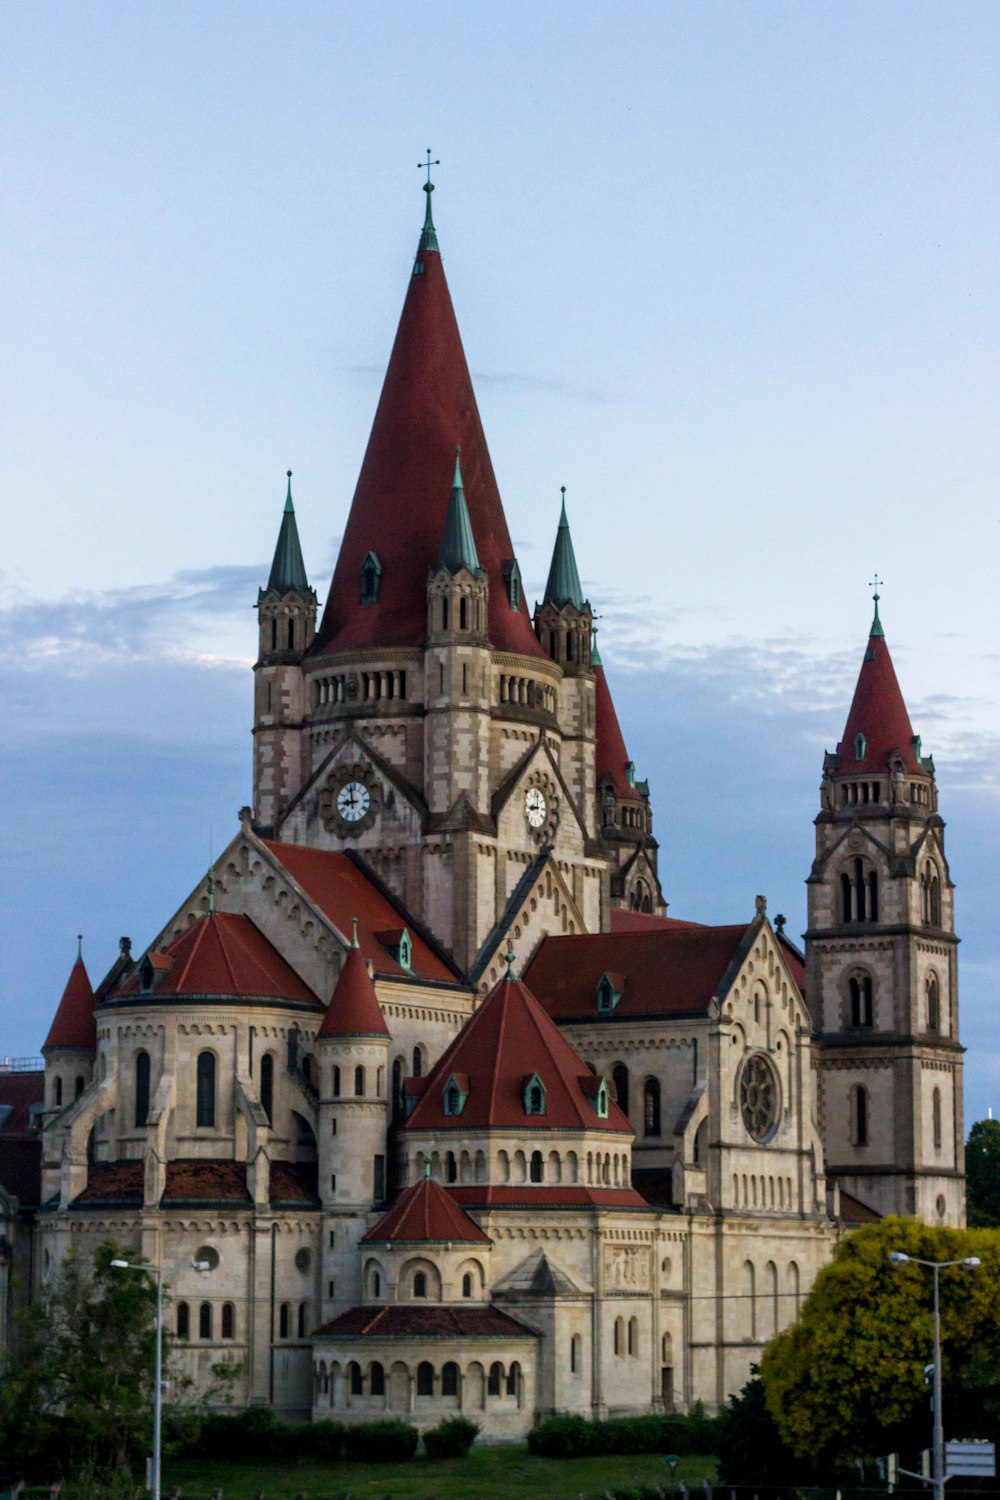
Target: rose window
(759, 1097)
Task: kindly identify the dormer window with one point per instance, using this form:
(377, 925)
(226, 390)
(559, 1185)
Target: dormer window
(512, 578)
(860, 746)
(371, 577)
(601, 1101)
(630, 772)
(456, 1091)
(534, 1096)
(404, 950)
(147, 976)
(610, 988)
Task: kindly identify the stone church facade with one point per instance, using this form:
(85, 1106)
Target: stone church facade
(455, 1115)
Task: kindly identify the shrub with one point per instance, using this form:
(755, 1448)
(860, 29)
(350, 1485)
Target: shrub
(573, 1437)
(451, 1439)
(380, 1442)
(321, 1441)
(561, 1437)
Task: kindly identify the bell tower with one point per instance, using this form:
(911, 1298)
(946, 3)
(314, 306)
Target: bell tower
(286, 614)
(881, 963)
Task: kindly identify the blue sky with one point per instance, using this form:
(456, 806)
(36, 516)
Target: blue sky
(727, 272)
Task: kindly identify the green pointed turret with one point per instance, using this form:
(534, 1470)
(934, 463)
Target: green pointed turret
(563, 586)
(288, 571)
(876, 623)
(458, 545)
(428, 235)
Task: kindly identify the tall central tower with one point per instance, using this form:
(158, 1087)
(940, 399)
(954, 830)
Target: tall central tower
(881, 963)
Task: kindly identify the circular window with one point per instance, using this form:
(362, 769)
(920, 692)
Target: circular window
(759, 1097)
(303, 1260)
(207, 1257)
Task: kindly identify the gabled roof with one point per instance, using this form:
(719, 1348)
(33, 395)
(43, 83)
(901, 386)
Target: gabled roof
(537, 1276)
(645, 921)
(563, 585)
(507, 1040)
(354, 1009)
(342, 890)
(405, 1320)
(221, 953)
(427, 406)
(878, 713)
(288, 571)
(611, 758)
(674, 971)
(73, 1024)
(18, 1093)
(426, 1214)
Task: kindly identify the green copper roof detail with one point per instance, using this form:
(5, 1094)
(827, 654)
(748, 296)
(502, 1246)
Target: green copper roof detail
(563, 586)
(458, 545)
(428, 237)
(595, 655)
(876, 623)
(288, 571)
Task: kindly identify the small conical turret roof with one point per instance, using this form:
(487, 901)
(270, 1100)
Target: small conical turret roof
(74, 1024)
(401, 500)
(288, 571)
(458, 545)
(878, 723)
(425, 1214)
(563, 586)
(354, 1009)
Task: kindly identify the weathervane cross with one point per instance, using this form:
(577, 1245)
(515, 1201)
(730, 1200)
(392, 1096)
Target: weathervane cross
(876, 583)
(426, 166)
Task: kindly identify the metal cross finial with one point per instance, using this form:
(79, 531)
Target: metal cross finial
(426, 166)
(876, 583)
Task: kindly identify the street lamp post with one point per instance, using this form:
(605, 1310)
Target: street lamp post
(898, 1258)
(157, 1271)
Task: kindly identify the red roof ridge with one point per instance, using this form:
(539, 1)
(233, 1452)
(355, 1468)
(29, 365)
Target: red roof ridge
(426, 1213)
(354, 1009)
(878, 715)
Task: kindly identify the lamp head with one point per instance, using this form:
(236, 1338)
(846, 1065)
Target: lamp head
(897, 1258)
(971, 1262)
(121, 1265)
(200, 1265)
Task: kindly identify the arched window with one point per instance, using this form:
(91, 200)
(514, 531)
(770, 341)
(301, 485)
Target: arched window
(58, 1094)
(376, 1284)
(633, 1337)
(420, 1284)
(450, 1167)
(463, 613)
(619, 1075)
(536, 1100)
(749, 1298)
(933, 1004)
(425, 1378)
(467, 1284)
(861, 999)
(859, 1116)
(936, 1111)
(359, 1081)
(859, 894)
(267, 1086)
(336, 1082)
(651, 1107)
(357, 1380)
(397, 1087)
(303, 1318)
(449, 1379)
(575, 1354)
(205, 1090)
(78, 1088)
(371, 575)
(418, 1062)
(537, 1168)
(205, 1320)
(494, 1379)
(274, 635)
(512, 1375)
(183, 1321)
(619, 1336)
(285, 1321)
(377, 1379)
(228, 1321)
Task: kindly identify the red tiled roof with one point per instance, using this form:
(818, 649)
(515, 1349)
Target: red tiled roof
(504, 1042)
(794, 959)
(293, 1182)
(354, 1009)
(425, 1214)
(644, 921)
(74, 1024)
(611, 756)
(19, 1091)
(201, 1179)
(113, 1182)
(342, 890)
(404, 489)
(404, 1320)
(675, 971)
(853, 1211)
(879, 713)
(223, 954)
(568, 1195)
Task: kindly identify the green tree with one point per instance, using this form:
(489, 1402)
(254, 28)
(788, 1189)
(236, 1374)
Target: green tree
(749, 1446)
(847, 1381)
(982, 1168)
(80, 1391)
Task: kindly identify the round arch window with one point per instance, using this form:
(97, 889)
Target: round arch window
(303, 1260)
(208, 1257)
(759, 1097)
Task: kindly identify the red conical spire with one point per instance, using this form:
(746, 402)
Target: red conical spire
(878, 724)
(354, 1009)
(74, 1025)
(401, 502)
(610, 754)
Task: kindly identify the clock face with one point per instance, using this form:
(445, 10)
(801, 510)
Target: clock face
(534, 806)
(353, 801)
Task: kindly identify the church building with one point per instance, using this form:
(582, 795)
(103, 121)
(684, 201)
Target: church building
(420, 1097)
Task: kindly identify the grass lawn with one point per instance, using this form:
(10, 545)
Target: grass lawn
(488, 1473)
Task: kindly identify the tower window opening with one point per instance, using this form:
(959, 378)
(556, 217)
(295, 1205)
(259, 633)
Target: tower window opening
(537, 1167)
(444, 614)
(267, 1086)
(420, 1284)
(58, 1094)
(619, 1076)
(205, 1089)
(933, 1005)
(463, 613)
(291, 635)
(936, 1113)
(651, 1107)
(860, 1116)
(141, 1088)
(359, 1082)
(274, 635)
(860, 987)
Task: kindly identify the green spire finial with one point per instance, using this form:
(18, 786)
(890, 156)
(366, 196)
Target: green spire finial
(288, 571)
(563, 586)
(595, 655)
(79, 946)
(458, 545)
(354, 933)
(876, 584)
(562, 514)
(508, 959)
(428, 239)
(288, 497)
